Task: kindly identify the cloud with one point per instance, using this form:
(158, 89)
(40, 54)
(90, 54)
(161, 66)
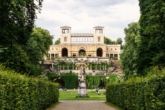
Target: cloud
(100, 3)
(83, 15)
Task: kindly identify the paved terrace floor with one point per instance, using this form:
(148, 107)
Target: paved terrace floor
(82, 105)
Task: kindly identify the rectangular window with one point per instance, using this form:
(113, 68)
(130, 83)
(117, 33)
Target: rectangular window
(111, 55)
(97, 31)
(75, 39)
(63, 31)
(66, 31)
(98, 39)
(71, 39)
(92, 38)
(65, 39)
(88, 39)
(80, 39)
(83, 39)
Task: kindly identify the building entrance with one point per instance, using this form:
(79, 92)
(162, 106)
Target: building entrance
(99, 52)
(82, 52)
(64, 52)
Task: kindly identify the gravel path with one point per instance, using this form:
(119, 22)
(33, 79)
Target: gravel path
(82, 105)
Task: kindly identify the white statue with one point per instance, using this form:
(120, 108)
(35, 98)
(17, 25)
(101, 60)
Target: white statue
(82, 72)
(82, 92)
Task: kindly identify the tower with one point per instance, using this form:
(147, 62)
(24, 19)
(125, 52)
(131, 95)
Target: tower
(65, 34)
(98, 34)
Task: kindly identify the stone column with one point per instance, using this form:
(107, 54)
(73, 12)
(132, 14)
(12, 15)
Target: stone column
(118, 56)
(60, 54)
(69, 54)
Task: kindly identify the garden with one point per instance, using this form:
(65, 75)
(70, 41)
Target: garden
(70, 80)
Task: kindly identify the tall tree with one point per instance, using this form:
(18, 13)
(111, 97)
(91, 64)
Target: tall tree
(2, 48)
(17, 20)
(38, 44)
(16, 24)
(130, 53)
(107, 40)
(57, 41)
(119, 41)
(37, 47)
(152, 23)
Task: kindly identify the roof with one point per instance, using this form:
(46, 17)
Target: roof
(98, 27)
(65, 27)
(82, 34)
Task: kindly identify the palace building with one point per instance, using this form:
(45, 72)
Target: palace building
(78, 45)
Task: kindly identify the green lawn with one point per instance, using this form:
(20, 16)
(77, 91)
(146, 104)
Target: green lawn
(71, 95)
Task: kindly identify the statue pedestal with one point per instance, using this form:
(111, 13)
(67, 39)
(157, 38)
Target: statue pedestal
(82, 91)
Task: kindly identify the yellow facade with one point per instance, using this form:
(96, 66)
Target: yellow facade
(83, 45)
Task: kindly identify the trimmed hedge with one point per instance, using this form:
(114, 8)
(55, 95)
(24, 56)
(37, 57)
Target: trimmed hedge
(18, 92)
(70, 79)
(95, 81)
(139, 93)
(51, 76)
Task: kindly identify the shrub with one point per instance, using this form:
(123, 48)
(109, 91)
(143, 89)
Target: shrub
(51, 75)
(70, 79)
(139, 93)
(19, 92)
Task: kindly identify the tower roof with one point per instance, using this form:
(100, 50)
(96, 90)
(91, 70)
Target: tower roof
(98, 27)
(65, 27)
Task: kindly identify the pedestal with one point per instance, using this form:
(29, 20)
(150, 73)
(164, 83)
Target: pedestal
(82, 91)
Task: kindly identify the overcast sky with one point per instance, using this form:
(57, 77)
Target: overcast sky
(83, 15)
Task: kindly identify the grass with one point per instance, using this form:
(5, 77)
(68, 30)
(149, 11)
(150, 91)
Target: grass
(71, 95)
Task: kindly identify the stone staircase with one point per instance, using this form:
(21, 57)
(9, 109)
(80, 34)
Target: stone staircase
(116, 64)
(116, 69)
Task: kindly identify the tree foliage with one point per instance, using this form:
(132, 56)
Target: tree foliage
(152, 23)
(38, 44)
(2, 48)
(119, 41)
(57, 41)
(17, 21)
(130, 54)
(109, 41)
(143, 52)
